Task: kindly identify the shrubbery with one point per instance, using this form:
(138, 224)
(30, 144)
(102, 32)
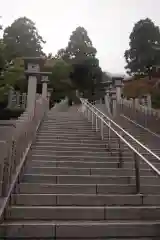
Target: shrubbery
(8, 114)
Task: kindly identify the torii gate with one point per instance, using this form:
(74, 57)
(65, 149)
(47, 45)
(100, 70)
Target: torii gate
(35, 74)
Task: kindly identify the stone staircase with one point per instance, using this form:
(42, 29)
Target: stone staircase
(72, 188)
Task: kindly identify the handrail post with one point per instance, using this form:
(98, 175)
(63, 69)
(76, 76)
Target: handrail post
(137, 172)
(96, 124)
(102, 136)
(89, 114)
(120, 164)
(109, 136)
(92, 119)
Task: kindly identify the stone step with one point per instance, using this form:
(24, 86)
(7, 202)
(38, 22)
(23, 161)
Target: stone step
(59, 147)
(142, 164)
(83, 200)
(71, 144)
(81, 188)
(153, 180)
(76, 147)
(90, 134)
(83, 213)
(66, 121)
(77, 179)
(70, 141)
(99, 144)
(72, 131)
(86, 188)
(82, 171)
(79, 157)
(88, 179)
(75, 137)
(76, 124)
(54, 153)
(116, 230)
(71, 162)
(71, 128)
(85, 162)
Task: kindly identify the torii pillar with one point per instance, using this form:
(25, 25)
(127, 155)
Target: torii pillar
(33, 66)
(44, 86)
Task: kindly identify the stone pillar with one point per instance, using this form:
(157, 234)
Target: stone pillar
(117, 83)
(136, 103)
(107, 102)
(77, 93)
(114, 107)
(18, 99)
(118, 93)
(10, 97)
(44, 90)
(31, 96)
(44, 86)
(149, 101)
(114, 102)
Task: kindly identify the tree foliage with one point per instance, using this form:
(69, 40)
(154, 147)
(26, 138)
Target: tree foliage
(22, 39)
(136, 88)
(60, 72)
(80, 46)
(62, 54)
(59, 80)
(2, 56)
(86, 74)
(73, 67)
(142, 55)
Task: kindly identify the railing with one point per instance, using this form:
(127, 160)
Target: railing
(15, 150)
(147, 117)
(122, 138)
(17, 100)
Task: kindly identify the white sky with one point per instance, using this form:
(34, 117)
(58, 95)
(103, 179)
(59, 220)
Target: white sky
(108, 22)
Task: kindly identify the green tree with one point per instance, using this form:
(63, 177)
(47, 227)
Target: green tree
(80, 46)
(86, 75)
(62, 54)
(2, 53)
(142, 56)
(13, 75)
(2, 56)
(59, 80)
(22, 39)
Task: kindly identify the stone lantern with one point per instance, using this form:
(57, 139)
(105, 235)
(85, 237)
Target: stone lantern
(117, 82)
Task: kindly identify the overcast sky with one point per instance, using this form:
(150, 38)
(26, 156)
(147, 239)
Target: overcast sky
(108, 22)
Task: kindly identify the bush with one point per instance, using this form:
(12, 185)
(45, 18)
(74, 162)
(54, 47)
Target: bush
(156, 100)
(7, 114)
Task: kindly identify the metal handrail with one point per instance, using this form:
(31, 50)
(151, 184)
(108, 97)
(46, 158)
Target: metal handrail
(121, 129)
(93, 110)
